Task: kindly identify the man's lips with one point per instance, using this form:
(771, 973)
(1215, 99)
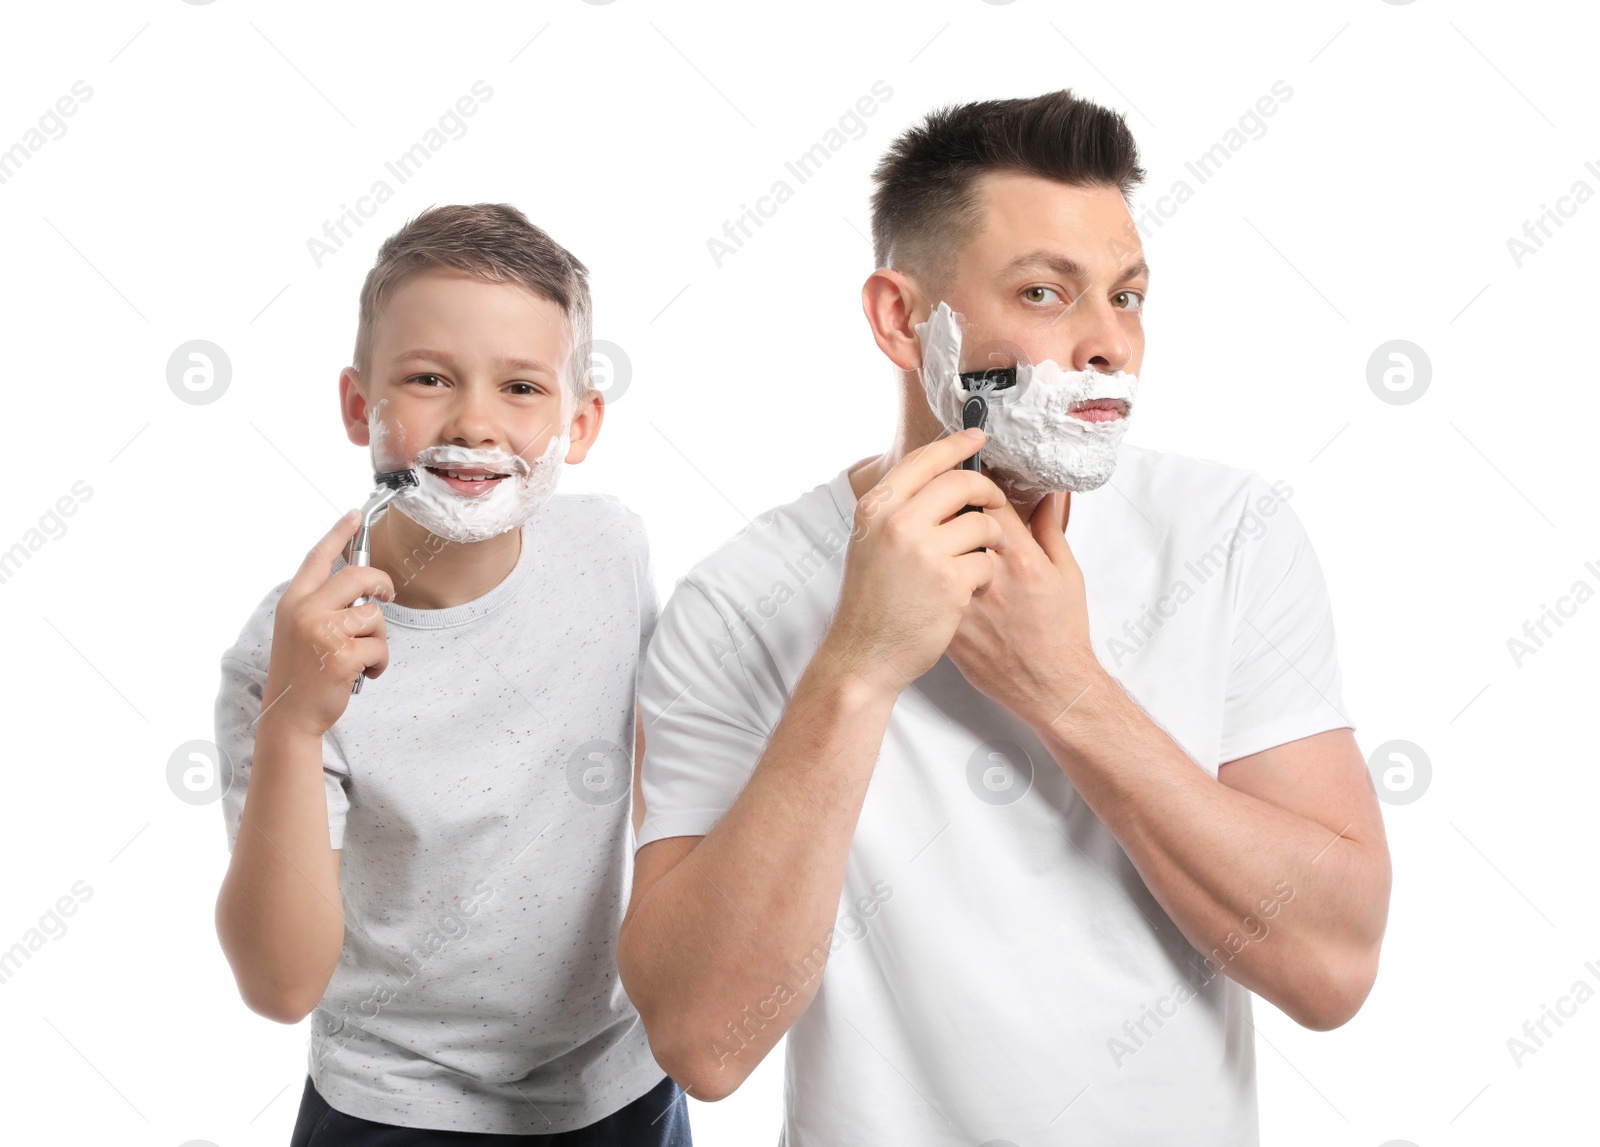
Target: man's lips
(1100, 410)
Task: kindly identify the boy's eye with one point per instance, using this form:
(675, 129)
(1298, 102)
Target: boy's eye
(423, 378)
(525, 388)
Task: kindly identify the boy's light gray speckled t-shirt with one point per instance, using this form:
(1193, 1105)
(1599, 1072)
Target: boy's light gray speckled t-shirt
(479, 791)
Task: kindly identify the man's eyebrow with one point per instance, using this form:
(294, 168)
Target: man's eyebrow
(1139, 270)
(423, 354)
(1066, 267)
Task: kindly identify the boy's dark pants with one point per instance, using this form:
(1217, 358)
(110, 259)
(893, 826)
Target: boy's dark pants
(658, 1118)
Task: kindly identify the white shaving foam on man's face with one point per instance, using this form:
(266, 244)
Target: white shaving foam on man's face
(456, 517)
(1033, 445)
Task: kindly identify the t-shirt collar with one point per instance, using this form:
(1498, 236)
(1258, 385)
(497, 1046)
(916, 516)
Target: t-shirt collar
(467, 611)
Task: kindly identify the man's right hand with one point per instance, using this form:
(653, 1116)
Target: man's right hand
(320, 642)
(913, 564)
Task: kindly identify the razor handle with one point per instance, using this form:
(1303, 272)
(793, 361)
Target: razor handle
(361, 557)
(360, 549)
(974, 413)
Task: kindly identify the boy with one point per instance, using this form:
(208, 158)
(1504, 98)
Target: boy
(435, 868)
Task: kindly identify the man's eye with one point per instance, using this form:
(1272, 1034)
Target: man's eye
(1137, 298)
(1033, 294)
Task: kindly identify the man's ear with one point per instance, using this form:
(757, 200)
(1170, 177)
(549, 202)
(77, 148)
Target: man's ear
(586, 425)
(353, 407)
(894, 305)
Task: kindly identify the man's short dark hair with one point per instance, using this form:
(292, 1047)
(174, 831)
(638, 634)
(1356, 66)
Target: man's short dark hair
(926, 205)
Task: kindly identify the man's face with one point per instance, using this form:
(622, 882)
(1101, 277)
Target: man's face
(459, 361)
(1056, 270)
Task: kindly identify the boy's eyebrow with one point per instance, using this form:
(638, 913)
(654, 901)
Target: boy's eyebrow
(423, 354)
(1066, 267)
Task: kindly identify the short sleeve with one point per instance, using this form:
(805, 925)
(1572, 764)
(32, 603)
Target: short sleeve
(703, 731)
(1283, 673)
(238, 707)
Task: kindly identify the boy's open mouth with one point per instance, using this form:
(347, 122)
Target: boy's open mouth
(473, 481)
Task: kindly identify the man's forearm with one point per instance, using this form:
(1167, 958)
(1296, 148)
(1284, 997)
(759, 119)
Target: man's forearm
(1288, 907)
(279, 916)
(725, 951)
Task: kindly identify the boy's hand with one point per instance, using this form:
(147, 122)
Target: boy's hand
(320, 642)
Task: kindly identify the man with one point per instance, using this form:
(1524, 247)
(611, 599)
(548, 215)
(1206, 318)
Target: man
(1004, 837)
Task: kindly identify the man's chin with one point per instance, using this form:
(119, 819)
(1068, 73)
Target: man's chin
(1027, 489)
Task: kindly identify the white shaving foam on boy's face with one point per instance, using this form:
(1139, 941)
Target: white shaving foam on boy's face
(387, 450)
(440, 510)
(433, 505)
(1033, 445)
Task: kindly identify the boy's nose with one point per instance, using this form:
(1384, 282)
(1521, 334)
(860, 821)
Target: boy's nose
(470, 423)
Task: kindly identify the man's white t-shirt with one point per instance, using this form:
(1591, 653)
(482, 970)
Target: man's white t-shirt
(999, 971)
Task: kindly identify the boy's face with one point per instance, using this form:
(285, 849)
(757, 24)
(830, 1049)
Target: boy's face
(457, 361)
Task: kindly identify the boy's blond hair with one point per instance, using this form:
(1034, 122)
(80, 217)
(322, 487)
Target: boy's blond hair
(496, 243)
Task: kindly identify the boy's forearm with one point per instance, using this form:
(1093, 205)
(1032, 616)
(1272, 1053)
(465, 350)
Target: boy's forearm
(279, 915)
(754, 905)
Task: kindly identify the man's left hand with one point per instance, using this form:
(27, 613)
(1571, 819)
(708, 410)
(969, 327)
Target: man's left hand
(1024, 638)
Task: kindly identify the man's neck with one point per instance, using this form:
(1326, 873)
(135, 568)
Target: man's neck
(431, 573)
(916, 428)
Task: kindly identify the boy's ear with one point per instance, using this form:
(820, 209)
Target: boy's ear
(586, 426)
(353, 407)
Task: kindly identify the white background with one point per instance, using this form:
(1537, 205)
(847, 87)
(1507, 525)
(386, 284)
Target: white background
(1376, 206)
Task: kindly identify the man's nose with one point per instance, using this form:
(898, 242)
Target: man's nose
(1099, 340)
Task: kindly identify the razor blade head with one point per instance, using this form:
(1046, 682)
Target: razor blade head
(988, 381)
(395, 479)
